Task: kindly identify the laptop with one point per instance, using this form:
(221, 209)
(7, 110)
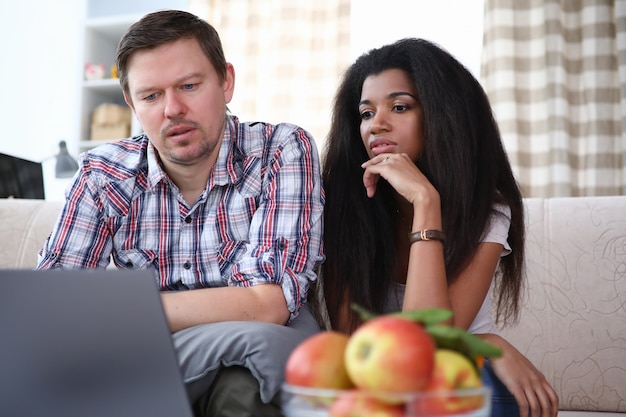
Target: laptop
(90, 343)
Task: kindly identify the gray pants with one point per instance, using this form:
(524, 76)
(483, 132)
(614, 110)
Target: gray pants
(235, 393)
(206, 354)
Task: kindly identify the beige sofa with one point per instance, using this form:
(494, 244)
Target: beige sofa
(573, 324)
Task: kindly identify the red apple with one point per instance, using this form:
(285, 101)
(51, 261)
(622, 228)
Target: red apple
(356, 403)
(318, 362)
(390, 354)
(453, 371)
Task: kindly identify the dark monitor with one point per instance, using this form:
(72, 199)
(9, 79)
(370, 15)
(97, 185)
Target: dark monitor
(20, 178)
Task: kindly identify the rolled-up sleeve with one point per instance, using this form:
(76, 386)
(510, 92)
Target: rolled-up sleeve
(285, 245)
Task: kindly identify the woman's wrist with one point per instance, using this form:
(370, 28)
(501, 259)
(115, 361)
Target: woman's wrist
(493, 339)
(427, 234)
(427, 211)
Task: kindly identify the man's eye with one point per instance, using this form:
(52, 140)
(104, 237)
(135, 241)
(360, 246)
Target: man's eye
(188, 86)
(150, 97)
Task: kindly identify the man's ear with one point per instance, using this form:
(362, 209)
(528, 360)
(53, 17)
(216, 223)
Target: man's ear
(229, 82)
(129, 102)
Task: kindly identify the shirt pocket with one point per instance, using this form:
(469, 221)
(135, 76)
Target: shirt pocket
(230, 252)
(136, 259)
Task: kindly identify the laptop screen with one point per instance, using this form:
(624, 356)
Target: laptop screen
(20, 178)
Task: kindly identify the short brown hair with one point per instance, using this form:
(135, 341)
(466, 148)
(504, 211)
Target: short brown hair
(164, 26)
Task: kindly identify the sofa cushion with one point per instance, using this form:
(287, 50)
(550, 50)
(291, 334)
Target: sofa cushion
(573, 323)
(24, 227)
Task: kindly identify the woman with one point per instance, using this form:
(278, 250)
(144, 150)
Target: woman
(422, 207)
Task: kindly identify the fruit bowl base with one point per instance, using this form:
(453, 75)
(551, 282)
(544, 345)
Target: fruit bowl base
(313, 402)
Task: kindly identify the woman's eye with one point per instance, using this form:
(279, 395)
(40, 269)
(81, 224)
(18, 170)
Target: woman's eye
(366, 114)
(400, 107)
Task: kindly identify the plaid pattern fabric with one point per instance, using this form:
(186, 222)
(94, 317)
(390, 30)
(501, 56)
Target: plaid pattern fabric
(555, 72)
(259, 219)
(288, 57)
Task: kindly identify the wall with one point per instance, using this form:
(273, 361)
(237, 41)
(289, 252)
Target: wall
(41, 70)
(456, 25)
(42, 59)
(97, 8)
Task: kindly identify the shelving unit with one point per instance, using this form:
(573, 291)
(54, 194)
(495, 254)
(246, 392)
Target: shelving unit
(101, 37)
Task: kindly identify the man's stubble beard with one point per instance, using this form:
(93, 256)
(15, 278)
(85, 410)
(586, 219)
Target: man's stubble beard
(203, 151)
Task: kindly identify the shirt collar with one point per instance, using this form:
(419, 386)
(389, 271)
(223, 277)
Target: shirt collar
(155, 171)
(229, 165)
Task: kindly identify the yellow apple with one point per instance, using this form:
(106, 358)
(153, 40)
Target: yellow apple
(390, 354)
(318, 362)
(453, 371)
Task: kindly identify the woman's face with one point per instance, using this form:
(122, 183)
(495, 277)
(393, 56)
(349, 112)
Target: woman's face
(391, 117)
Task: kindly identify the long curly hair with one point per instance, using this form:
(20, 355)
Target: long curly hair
(463, 157)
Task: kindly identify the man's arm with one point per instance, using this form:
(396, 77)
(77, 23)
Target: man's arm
(80, 239)
(270, 281)
(208, 305)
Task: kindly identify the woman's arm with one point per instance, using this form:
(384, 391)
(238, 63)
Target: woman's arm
(426, 283)
(468, 291)
(426, 280)
(465, 296)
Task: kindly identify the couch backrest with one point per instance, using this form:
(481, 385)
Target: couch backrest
(573, 324)
(24, 226)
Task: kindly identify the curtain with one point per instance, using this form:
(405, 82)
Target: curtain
(288, 57)
(555, 73)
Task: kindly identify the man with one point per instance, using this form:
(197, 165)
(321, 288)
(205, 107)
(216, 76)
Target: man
(228, 215)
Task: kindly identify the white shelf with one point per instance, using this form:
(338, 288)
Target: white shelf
(102, 85)
(101, 36)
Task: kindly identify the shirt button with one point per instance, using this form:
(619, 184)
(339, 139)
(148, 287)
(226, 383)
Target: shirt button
(188, 219)
(53, 255)
(187, 265)
(129, 264)
(281, 245)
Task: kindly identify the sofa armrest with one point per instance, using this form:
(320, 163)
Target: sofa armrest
(24, 227)
(573, 322)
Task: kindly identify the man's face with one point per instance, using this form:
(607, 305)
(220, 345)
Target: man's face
(179, 100)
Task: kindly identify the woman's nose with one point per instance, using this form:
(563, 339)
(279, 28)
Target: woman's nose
(379, 123)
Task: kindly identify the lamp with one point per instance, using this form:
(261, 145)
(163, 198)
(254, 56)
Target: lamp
(65, 166)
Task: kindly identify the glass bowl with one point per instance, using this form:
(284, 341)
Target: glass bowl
(299, 401)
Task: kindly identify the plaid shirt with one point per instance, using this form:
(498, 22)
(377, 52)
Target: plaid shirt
(259, 219)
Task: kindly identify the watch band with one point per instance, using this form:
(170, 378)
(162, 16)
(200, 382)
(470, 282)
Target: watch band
(427, 234)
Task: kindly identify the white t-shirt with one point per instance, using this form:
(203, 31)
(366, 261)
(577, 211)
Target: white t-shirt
(496, 232)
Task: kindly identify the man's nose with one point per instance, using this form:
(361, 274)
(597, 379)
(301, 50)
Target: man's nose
(174, 105)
